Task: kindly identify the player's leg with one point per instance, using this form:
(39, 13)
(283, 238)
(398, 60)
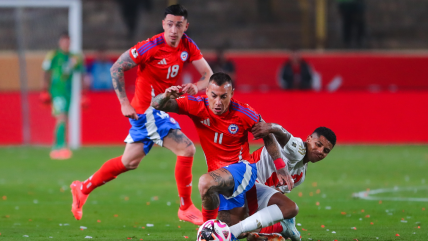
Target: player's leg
(184, 149)
(271, 207)
(263, 196)
(130, 159)
(210, 186)
(60, 106)
(139, 142)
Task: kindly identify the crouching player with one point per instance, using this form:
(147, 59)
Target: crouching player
(298, 154)
(223, 124)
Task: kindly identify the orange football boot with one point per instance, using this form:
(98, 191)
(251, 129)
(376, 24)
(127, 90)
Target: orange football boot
(55, 155)
(65, 153)
(78, 199)
(191, 214)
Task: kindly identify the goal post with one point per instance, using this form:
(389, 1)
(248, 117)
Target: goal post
(75, 32)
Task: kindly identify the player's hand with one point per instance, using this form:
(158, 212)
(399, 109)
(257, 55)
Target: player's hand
(129, 111)
(261, 130)
(285, 178)
(190, 89)
(173, 92)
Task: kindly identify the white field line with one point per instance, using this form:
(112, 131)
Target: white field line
(366, 194)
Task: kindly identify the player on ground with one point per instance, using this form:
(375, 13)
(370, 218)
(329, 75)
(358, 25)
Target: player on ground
(297, 155)
(223, 124)
(59, 66)
(160, 60)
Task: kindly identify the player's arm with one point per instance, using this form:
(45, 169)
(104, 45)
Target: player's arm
(166, 101)
(117, 71)
(262, 129)
(274, 151)
(204, 69)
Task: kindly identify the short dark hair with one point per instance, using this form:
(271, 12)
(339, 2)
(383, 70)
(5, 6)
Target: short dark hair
(221, 78)
(176, 10)
(327, 133)
(64, 34)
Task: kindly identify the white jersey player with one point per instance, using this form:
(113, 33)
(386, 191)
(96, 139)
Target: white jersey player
(297, 154)
(292, 153)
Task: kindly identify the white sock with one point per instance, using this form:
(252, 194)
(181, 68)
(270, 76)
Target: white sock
(261, 219)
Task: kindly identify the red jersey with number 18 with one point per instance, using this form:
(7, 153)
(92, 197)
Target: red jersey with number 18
(224, 138)
(159, 66)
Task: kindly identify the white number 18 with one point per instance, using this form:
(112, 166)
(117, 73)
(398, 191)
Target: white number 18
(174, 71)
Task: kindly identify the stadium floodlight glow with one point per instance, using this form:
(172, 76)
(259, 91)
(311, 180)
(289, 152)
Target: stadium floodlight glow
(75, 32)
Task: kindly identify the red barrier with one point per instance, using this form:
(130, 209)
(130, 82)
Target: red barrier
(356, 117)
(357, 71)
(259, 71)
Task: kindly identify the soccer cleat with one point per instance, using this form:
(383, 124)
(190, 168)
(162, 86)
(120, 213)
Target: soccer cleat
(191, 214)
(289, 229)
(65, 153)
(55, 154)
(78, 199)
(265, 237)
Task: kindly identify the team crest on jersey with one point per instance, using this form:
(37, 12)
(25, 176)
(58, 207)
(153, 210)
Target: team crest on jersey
(233, 129)
(184, 55)
(172, 120)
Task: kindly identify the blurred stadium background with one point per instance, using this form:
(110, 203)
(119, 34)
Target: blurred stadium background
(372, 91)
(371, 87)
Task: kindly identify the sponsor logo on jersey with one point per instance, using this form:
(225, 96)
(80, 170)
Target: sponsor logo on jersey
(175, 122)
(184, 55)
(163, 62)
(233, 129)
(134, 53)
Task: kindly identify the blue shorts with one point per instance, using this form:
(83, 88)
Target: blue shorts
(245, 175)
(151, 127)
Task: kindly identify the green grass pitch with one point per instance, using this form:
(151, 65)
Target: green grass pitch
(35, 199)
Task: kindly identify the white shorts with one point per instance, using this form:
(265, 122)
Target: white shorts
(258, 197)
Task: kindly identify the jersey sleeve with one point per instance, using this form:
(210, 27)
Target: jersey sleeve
(140, 53)
(47, 62)
(294, 150)
(194, 51)
(190, 105)
(253, 116)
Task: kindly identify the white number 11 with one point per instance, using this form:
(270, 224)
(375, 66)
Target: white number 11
(219, 139)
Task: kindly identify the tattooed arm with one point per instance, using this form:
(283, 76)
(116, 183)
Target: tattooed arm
(204, 69)
(263, 129)
(117, 71)
(273, 149)
(166, 101)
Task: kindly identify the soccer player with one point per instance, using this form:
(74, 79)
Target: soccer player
(297, 154)
(160, 60)
(223, 124)
(59, 66)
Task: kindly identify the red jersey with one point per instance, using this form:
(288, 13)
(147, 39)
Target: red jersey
(159, 66)
(224, 138)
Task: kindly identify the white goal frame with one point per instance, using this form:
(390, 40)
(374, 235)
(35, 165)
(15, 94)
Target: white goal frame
(75, 31)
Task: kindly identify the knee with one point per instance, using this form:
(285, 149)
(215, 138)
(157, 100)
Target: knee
(189, 151)
(131, 164)
(290, 210)
(204, 184)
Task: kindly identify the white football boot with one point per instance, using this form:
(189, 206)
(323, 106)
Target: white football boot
(289, 229)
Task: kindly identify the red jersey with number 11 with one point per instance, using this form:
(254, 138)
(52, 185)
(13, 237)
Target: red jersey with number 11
(224, 138)
(159, 66)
